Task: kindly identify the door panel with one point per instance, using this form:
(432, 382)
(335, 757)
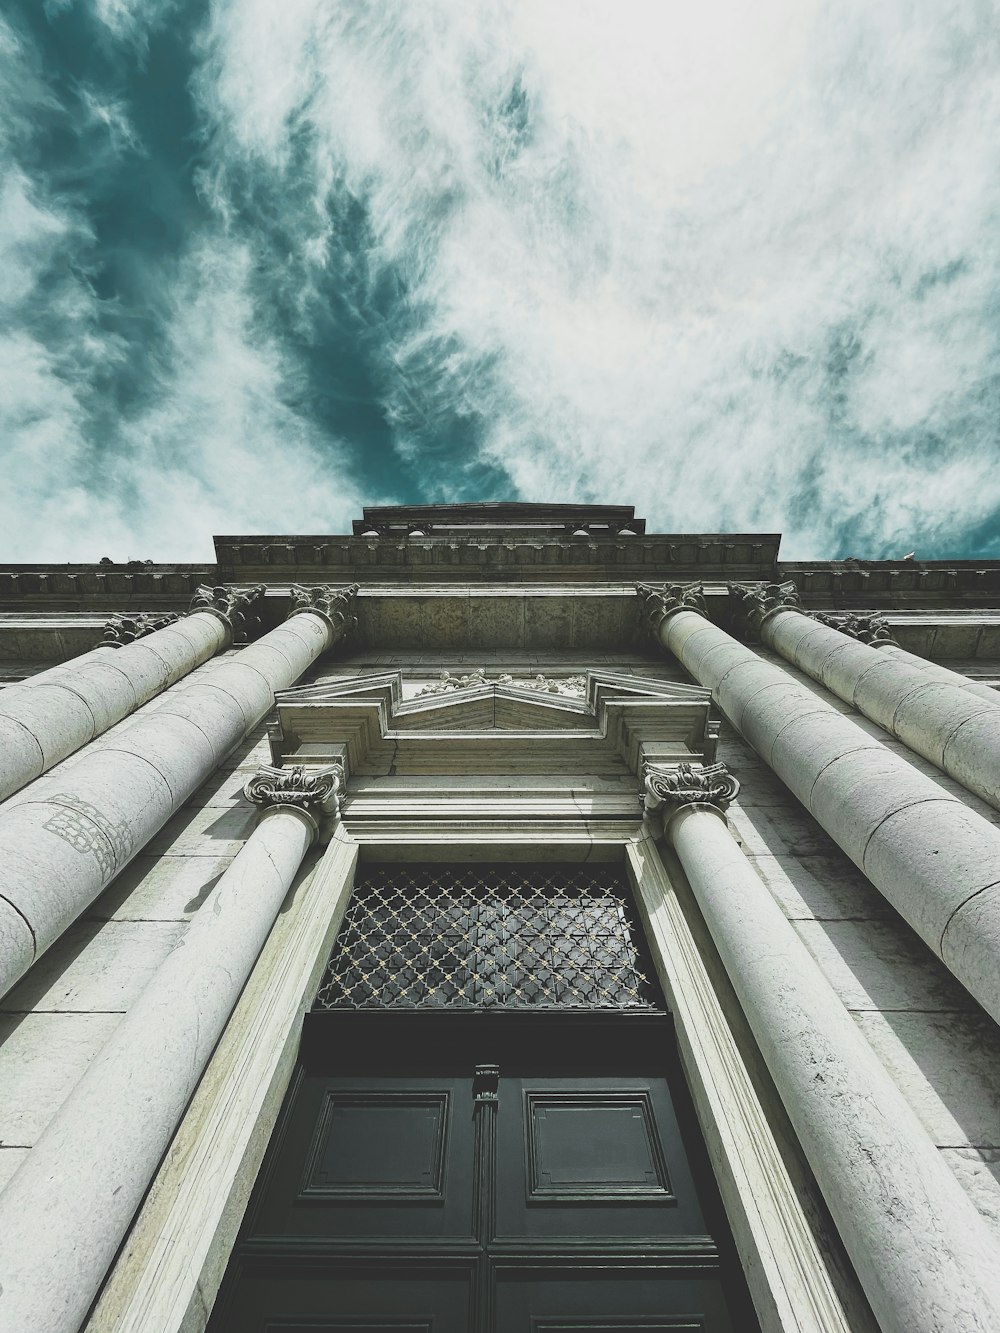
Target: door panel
(576, 1301)
(477, 1174)
(384, 1158)
(286, 1296)
(600, 1157)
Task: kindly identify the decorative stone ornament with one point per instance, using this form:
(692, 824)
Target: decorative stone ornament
(335, 605)
(685, 785)
(752, 606)
(316, 792)
(238, 608)
(573, 687)
(869, 629)
(659, 603)
(123, 629)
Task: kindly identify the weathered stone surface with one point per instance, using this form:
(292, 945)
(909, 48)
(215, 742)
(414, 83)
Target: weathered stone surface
(42, 1057)
(95, 967)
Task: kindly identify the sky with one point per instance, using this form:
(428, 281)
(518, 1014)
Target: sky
(265, 261)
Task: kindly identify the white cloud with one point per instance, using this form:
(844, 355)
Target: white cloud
(732, 263)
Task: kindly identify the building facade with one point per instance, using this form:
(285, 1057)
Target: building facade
(500, 918)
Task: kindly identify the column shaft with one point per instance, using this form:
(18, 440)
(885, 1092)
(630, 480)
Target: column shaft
(935, 671)
(924, 1255)
(934, 859)
(64, 841)
(49, 716)
(64, 1213)
(954, 727)
(169, 1270)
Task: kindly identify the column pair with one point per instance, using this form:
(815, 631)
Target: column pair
(923, 1254)
(952, 721)
(52, 714)
(65, 1211)
(68, 834)
(931, 856)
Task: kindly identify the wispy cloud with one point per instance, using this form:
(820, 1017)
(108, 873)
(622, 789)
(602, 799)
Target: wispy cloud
(737, 265)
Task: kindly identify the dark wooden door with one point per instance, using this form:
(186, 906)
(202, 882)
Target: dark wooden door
(484, 1173)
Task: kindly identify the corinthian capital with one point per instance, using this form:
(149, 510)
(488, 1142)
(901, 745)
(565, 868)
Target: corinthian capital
(124, 629)
(658, 603)
(752, 606)
(335, 605)
(871, 629)
(683, 785)
(238, 608)
(317, 792)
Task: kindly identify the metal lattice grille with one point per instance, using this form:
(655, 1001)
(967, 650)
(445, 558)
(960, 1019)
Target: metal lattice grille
(471, 937)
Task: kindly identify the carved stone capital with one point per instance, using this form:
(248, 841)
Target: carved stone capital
(752, 606)
(238, 608)
(123, 629)
(334, 605)
(315, 791)
(672, 788)
(870, 629)
(659, 603)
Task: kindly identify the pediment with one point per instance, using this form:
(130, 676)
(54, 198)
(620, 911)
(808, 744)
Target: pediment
(494, 728)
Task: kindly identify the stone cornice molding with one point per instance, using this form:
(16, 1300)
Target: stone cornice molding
(671, 789)
(872, 630)
(313, 792)
(123, 629)
(659, 603)
(752, 606)
(334, 605)
(238, 608)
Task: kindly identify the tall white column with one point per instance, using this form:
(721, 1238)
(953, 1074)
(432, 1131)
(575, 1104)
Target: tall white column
(874, 630)
(53, 714)
(64, 840)
(64, 1213)
(952, 726)
(933, 858)
(925, 1257)
(168, 1272)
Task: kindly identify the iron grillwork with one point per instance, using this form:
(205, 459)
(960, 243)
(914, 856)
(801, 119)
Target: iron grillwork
(460, 937)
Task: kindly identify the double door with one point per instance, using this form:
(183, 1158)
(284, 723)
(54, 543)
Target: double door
(484, 1173)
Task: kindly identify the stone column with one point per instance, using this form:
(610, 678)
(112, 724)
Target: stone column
(925, 1256)
(169, 1270)
(934, 859)
(51, 715)
(64, 1213)
(64, 840)
(952, 726)
(874, 630)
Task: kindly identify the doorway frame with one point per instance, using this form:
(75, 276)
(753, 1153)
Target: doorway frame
(169, 1270)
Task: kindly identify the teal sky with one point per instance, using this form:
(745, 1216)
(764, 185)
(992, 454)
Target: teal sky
(264, 261)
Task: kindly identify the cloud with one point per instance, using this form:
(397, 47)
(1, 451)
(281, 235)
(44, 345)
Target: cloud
(737, 265)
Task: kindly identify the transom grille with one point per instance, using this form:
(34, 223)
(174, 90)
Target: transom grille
(478, 937)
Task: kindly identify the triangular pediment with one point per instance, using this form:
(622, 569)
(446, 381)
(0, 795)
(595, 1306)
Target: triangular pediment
(494, 728)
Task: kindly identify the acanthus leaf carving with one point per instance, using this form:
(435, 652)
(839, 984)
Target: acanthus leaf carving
(238, 608)
(752, 606)
(872, 630)
(658, 603)
(126, 628)
(335, 605)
